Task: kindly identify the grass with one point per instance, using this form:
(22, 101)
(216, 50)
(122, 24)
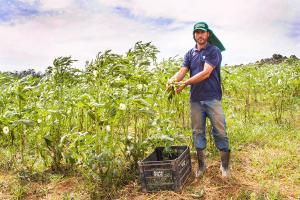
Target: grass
(55, 187)
(270, 154)
(19, 191)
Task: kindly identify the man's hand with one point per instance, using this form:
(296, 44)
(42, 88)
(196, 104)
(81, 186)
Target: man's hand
(182, 85)
(177, 77)
(170, 83)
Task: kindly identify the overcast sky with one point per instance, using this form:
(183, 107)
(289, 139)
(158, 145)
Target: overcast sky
(34, 32)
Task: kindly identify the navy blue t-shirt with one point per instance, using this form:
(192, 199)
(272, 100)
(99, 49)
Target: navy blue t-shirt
(210, 88)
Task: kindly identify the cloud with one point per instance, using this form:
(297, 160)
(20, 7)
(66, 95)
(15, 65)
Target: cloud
(56, 4)
(249, 31)
(14, 11)
(14, 8)
(159, 21)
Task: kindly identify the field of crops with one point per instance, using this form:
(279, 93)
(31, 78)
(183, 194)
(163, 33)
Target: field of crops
(99, 121)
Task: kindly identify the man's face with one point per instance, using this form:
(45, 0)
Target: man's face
(201, 36)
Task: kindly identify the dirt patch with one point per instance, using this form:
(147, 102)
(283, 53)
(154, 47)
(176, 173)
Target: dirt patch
(67, 187)
(6, 179)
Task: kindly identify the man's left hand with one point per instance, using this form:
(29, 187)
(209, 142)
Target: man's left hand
(182, 85)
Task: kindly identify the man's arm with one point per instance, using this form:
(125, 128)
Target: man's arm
(180, 74)
(204, 74)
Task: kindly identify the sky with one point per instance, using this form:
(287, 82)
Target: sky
(34, 32)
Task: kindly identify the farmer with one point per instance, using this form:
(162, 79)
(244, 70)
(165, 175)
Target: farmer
(204, 62)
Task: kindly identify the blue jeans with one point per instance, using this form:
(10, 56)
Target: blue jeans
(213, 110)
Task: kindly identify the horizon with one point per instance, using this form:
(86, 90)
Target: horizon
(82, 68)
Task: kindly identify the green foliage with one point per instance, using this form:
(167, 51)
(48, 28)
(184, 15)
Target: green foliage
(103, 119)
(18, 191)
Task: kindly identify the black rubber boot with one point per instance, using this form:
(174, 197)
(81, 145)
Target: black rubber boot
(201, 163)
(225, 156)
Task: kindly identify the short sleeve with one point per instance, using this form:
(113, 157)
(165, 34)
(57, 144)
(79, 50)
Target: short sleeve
(214, 58)
(186, 60)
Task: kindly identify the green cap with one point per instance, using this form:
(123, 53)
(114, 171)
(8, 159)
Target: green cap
(212, 39)
(201, 26)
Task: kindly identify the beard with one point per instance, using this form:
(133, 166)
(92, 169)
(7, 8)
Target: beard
(201, 41)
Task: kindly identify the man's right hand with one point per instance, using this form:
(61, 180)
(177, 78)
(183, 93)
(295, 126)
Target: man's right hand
(170, 82)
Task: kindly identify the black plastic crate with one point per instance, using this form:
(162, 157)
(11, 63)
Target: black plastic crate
(165, 172)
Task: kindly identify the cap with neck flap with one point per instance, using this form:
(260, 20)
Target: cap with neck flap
(212, 39)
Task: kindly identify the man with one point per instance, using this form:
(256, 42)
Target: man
(204, 62)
